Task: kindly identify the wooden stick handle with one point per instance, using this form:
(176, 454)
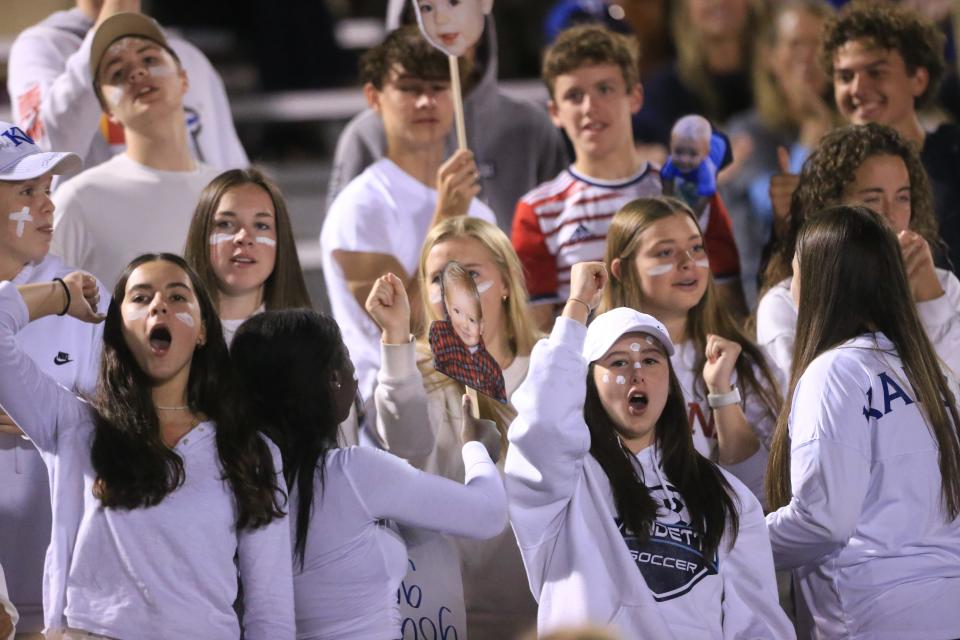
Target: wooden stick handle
(474, 404)
(457, 102)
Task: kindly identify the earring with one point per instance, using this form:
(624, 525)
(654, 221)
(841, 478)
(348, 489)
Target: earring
(336, 385)
(505, 296)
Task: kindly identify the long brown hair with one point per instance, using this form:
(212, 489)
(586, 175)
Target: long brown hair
(134, 468)
(692, 59)
(845, 251)
(522, 334)
(710, 501)
(827, 173)
(285, 288)
(768, 96)
(706, 317)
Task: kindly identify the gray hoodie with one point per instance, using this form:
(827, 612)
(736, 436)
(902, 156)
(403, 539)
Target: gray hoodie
(515, 144)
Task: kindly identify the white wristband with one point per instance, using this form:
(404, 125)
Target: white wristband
(717, 400)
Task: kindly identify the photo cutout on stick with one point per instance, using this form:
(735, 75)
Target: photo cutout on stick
(453, 26)
(457, 340)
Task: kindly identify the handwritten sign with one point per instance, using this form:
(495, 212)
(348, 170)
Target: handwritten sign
(431, 594)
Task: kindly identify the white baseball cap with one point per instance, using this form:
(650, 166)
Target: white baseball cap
(22, 159)
(608, 327)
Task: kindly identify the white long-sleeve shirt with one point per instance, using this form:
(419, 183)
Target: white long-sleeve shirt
(7, 605)
(581, 567)
(423, 426)
(873, 552)
(354, 561)
(51, 91)
(777, 322)
(153, 573)
(68, 351)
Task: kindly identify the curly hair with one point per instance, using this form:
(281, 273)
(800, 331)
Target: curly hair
(591, 45)
(827, 173)
(406, 47)
(889, 27)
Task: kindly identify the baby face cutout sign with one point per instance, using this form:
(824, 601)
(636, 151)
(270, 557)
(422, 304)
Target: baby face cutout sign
(457, 340)
(453, 26)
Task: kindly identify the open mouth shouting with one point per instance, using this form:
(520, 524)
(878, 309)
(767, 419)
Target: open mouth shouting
(637, 402)
(160, 340)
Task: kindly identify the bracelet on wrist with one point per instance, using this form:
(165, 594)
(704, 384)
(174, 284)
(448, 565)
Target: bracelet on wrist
(589, 309)
(717, 400)
(66, 291)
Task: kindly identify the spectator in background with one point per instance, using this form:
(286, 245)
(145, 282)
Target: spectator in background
(711, 75)
(792, 109)
(52, 96)
(887, 62)
(594, 84)
(378, 222)
(513, 142)
(142, 200)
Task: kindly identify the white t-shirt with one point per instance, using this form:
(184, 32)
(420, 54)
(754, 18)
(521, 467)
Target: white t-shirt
(383, 210)
(108, 215)
(873, 553)
(777, 322)
(230, 326)
(354, 561)
(51, 91)
(166, 571)
(7, 605)
(68, 351)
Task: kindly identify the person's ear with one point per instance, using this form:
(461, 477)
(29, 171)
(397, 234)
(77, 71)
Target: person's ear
(919, 81)
(486, 6)
(202, 336)
(554, 115)
(372, 95)
(184, 80)
(636, 97)
(335, 380)
(615, 267)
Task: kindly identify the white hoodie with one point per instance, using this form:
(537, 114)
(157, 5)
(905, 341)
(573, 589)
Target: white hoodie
(777, 322)
(579, 564)
(873, 553)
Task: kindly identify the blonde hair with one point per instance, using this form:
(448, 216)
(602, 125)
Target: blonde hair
(522, 334)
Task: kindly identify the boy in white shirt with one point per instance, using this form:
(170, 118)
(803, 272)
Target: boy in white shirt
(379, 221)
(52, 97)
(142, 200)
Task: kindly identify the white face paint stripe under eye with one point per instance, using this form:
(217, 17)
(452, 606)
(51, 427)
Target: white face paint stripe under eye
(217, 238)
(136, 314)
(185, 318)
(606, 377)
(112, 94)
(484, 286)
(660, 269)
(270, 242)
(621, 380)
(703, 263)
(21, 217)
(435, 297)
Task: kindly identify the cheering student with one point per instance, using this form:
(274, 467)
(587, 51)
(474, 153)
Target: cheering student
(619, 519)
(658, 264)
(870, 165)
(241, 245)
(158, 484)
(66, 349)
(865, 467)
(419, 408)
(298, 384)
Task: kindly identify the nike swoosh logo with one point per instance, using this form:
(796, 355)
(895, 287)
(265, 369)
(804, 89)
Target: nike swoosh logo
(62, 358)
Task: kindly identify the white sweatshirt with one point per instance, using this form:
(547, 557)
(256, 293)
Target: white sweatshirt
(68, 351)
(51, 91)
(703, 422)
(424, 427)
(777, 322)
(865, 532)
(354, 561)
(161, 572)
(579, 563)
(7, 606)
